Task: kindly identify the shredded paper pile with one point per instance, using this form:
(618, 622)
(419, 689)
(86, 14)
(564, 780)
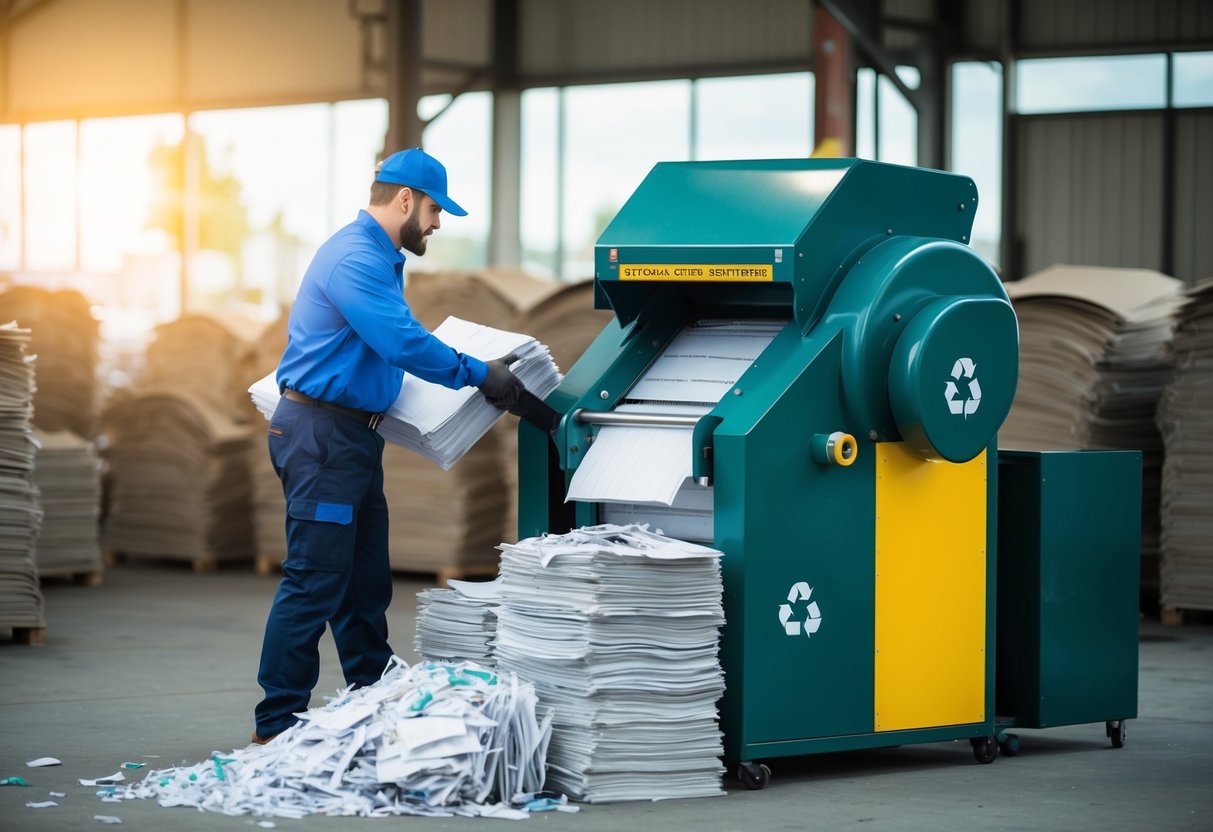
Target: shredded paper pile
(434, 739)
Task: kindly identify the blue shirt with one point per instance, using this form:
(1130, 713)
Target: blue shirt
(351, 335)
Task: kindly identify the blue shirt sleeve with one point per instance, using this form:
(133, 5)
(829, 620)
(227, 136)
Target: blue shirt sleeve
(376, 310)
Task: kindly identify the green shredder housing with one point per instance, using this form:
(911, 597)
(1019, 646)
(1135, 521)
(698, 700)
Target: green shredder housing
(848, 472)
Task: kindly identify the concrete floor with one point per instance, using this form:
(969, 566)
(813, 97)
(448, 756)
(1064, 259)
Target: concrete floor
(160, 661)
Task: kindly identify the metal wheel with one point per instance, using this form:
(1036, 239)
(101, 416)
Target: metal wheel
(753, 776)
(1116, 732)
(985, 749)
(1009, 745)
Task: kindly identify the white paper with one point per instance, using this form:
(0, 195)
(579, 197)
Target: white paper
(44, 761)
(439, 423)
(106, 819)
(40, 804)
(423, 730)
(482, 590)
(116, 777)
(633, 465)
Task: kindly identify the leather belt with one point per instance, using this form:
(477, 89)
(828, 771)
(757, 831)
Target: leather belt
(371, 420)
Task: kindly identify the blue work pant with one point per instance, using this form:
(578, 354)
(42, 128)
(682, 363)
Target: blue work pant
(336, 570)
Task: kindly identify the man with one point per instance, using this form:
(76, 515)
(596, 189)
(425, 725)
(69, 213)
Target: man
(350, 339)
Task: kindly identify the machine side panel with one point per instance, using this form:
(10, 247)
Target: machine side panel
(930, 647)
(792, 528)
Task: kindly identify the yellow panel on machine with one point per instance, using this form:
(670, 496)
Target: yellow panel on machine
(930, 663)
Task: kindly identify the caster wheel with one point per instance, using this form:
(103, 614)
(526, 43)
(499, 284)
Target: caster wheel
(1116, 732)
(753, 776)
(1010, 745)
(985, 749)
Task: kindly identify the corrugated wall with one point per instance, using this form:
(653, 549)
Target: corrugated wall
(1194, 196)
(1090, 190)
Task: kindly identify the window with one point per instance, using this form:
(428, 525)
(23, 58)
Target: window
(1193, 79)
(460, 138)
(50, 195)
(977, 147)
(754, 117)
(614, 134)
(10, 196)
(539, 203)
(1122, 82)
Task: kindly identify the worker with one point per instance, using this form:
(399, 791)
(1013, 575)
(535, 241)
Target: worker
(350, 339)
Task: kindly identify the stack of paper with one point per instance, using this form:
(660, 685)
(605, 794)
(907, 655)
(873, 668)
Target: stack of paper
(1094, 359)
(208, 355)
(439, 423)
(67, 475)
(179, 483)
(20, 514)
(63, 336)
(460, 623)
(435, 739)
(618, 629)
(1187, 478)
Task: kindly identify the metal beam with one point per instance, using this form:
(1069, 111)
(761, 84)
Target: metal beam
(403, 74)
(505, 229)
(849, 18)
(834, 104)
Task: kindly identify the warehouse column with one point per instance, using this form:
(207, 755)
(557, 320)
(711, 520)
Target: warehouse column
(834, 107)
(403, 74)
(505, 245)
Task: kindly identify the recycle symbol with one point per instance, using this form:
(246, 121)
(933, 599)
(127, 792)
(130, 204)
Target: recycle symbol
(963, 368)
(793, 626)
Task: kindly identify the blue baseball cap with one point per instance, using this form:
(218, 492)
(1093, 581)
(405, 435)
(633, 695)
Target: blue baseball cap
(415, 168)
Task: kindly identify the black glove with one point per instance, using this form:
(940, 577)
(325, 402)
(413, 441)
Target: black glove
(531, 408)
(501, 387)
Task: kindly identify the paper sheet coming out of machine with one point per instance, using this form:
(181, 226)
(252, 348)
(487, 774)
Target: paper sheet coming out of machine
(648, 465)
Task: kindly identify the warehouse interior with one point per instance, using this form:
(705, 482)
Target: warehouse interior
(168, 169)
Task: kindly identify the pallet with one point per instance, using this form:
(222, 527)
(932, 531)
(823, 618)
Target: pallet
(265, 565)
(1179, 616)
(33, 636)
(200, 565)
(90, 577)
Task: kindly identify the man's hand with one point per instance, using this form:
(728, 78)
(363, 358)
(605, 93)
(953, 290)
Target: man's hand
(501, 387)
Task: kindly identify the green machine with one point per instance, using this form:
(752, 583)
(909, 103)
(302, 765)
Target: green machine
(807, 369)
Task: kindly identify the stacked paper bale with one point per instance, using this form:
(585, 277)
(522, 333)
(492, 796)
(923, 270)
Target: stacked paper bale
(1094, 360)
(619, 629)
(68, 478)
(1187, 477)
(179, 484)
(208, 355)
(458, 624)
(20, 514)
(64, 338)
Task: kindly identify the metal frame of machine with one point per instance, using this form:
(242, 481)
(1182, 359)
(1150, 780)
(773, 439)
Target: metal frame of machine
(852, 466)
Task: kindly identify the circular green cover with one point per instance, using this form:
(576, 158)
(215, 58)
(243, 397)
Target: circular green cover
(953, 375)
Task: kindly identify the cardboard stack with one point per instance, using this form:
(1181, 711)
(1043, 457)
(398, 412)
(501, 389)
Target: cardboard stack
(20, 513)
(1094, 359)
(63, 336)
(179, 480)
(67, 475)
(208, 355)
(1187, 476)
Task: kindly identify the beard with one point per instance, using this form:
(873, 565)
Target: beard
(412, 239)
